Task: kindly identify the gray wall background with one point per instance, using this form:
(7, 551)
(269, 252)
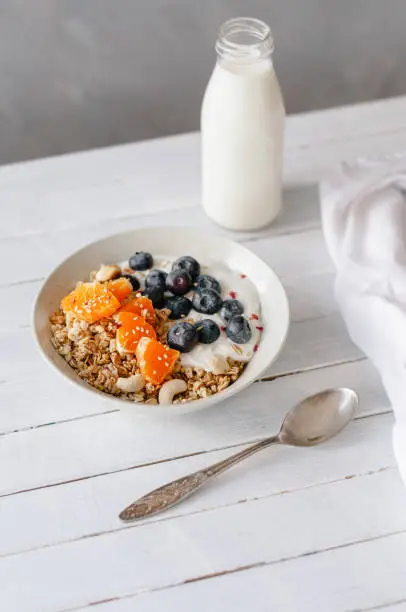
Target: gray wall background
(78, 74)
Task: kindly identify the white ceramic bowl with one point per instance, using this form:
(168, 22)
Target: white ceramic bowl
(171, 242)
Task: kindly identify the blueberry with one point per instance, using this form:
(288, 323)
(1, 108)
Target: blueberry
(178, 282)
(156, 295)
(135, 283)
(208, 331)
(231, 308)
(182, 337)
(141, 261)
(189, 264)
(238, 329)
(156, 278)
(179, 306)
(205, 281)
(207, 301)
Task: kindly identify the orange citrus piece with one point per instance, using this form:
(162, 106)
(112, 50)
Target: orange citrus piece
(141, 306)
(120, 288)
(90, 302)
(156, 360)
(132, 329)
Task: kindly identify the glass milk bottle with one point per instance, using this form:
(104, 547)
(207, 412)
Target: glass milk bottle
(242, 126)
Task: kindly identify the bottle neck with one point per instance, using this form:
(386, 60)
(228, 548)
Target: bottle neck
(244, 40)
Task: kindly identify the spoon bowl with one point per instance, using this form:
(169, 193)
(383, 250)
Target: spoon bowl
(318, 417)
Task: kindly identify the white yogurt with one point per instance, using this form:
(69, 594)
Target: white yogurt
(209, 357)
(203, 355)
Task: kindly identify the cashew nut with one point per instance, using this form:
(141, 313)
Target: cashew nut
(132, 384)
(171, 388)
(107, 272)
(219, 364)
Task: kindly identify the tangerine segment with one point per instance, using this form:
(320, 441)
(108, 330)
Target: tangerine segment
(132, 329)
(141, 306)
(155, 360)
(90, 302)
(120, 288)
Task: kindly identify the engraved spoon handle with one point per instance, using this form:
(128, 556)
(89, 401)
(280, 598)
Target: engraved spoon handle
(174, 492)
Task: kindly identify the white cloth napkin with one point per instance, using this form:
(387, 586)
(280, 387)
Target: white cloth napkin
(364, 221)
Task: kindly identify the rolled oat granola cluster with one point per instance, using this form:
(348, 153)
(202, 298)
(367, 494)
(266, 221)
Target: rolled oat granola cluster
(90, 349)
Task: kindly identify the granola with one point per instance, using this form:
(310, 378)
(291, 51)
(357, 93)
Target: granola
(90, 349)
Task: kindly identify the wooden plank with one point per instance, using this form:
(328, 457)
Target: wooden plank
(20, 413)
(297, 256)
(120, 440)
(315, 343)
(115, 182)
(301, 210)
(76, 238)
(52, 247)
(365, 448)
(163, 174)
(356, 578)
(309, 166)
(311, 297)
(134, 195)
(395, 607)
(343, 124)
(16, 304)
(168, 552)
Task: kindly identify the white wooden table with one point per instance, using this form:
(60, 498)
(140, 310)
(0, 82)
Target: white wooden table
(292, 529)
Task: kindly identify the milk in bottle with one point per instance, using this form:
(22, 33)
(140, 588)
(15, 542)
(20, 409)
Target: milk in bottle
(242, 127)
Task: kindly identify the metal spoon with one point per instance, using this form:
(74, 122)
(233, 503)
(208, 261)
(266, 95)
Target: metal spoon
(315, 420)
